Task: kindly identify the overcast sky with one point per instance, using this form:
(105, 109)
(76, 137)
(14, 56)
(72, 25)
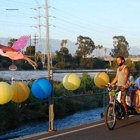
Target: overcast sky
(98, 19)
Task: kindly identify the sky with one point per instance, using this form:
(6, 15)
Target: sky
(98, 19)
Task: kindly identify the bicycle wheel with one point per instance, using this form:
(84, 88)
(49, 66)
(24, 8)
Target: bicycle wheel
(110, 117)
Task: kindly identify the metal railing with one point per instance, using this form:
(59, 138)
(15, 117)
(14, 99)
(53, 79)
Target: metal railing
(51, 97)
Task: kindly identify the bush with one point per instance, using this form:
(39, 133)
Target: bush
(9, 116)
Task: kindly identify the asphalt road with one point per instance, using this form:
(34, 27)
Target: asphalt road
(124, 130)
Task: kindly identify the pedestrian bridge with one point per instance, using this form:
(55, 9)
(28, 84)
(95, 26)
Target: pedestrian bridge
(111, 59)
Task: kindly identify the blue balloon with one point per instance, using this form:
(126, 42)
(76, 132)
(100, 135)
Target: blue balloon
(41, 88)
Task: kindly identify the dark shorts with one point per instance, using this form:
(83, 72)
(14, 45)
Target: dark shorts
(123, 93)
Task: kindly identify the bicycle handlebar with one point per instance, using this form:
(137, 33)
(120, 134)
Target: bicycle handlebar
(115, 88)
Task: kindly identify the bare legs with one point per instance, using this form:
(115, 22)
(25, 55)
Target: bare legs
(123, 99)
(138, 98)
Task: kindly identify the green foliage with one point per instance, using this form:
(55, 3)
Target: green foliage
(60, 108)
(137, 65)
(6, 63)
(99, 64)
(63, 55)
(90, 103)
(113, 65)
(39, 66)
(87, 63)
(30, 50)
(10, 43)
(76, 60)
(130, 64)
(121, 47)
(85, 46)
(9, 116)
(60, 65)
(86, 83)
(26, 66)
(73, 105)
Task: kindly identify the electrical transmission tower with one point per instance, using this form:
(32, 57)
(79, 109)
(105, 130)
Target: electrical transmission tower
(38, 26)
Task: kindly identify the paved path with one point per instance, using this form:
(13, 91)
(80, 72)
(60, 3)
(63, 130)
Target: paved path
(124, 130)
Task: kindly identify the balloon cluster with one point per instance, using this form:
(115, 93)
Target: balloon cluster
(42, 88)
(19, 91)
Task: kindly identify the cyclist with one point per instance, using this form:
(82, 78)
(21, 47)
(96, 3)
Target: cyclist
(132, 93)
(122, 81)
(138, 97)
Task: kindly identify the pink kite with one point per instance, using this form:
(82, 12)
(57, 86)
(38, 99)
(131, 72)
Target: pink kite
(14, 52)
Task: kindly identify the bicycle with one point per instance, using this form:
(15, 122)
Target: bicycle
(114, 110)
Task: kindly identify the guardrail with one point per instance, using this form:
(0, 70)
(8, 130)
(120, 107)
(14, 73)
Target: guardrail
(51, 97)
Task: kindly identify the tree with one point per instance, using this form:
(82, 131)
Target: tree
(63, 43)
(63, 54)
(87, 63)
(30, 50)
(121, 47)
(10, 43)
(85, 46)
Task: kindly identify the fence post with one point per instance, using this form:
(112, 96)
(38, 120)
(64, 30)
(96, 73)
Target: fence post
(51, 103)
(104, 101)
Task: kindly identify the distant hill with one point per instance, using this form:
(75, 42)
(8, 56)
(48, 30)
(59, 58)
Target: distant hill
(55, 45)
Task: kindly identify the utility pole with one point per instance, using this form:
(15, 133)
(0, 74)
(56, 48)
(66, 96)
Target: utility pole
(30, 44)
(35, 43)
(51, 100)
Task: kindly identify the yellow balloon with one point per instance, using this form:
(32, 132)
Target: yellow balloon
(101, 79)
(71, 81)
(6, 92)
(20, 92)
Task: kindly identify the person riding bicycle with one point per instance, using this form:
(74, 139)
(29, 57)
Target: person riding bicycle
(132, 90)
(122, 81)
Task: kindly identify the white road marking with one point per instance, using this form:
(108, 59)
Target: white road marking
(71, 131)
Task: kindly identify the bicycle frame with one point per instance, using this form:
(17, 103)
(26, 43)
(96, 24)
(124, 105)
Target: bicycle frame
(114, 110)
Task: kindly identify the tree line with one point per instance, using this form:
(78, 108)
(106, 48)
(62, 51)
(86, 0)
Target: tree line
(82, 59)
